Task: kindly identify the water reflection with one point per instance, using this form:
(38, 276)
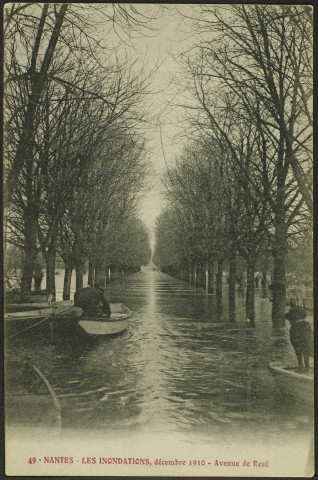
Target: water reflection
(178, 367)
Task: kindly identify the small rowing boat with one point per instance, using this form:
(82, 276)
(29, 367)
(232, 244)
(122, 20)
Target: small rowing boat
(29, 315)
(293, 383)
(26, 307)
(72, 323)
(30, 398)
(18, 322)
(118, 321)
(23, 321)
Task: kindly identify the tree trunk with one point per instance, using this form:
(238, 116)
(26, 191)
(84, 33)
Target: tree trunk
(24, 149)
(264, 279)
(198, 272)
(201, 276)
(219, 288)
(108, 274)
(30, 248)
(50, 273)
(279, 277)
(79, 276)
(38, 282)
(299, 175)
(67, 281)
(280, 248)
(189, 272)
(91, 272)
(100, 274)
(211, 287)
(27, 271)
(207, 278)
(232, 281)
(250, 290)
(78, 256)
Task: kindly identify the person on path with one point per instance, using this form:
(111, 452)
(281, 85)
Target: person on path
(301, 336)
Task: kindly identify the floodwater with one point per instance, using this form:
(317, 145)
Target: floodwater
(177, 368)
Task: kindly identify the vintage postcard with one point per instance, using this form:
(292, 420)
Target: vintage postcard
(158, 223)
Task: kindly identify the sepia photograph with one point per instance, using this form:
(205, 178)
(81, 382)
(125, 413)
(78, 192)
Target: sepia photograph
(158, 239)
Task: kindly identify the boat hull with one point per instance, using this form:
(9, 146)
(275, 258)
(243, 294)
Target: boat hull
(26, 307)
(24, 321)
(300, 386)
(72, 324)
(29, 315)
(27, 321)
(117, 323)
(108, 327)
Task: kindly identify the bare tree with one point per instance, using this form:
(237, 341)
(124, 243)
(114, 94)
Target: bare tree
(36, 35)
(253, 55)
(58, 53)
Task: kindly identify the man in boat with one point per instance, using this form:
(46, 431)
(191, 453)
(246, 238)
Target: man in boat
(301, 336)
(93, 302)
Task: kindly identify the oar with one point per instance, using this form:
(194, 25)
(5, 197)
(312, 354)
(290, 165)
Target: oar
(41, 321)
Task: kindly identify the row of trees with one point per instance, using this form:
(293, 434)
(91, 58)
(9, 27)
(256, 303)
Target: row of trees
(75, 162)
(127, 249)
(243, 184)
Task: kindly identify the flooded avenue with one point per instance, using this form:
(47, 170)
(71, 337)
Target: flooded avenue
(176, 368)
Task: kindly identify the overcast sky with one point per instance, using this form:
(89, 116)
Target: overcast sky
(162, 48)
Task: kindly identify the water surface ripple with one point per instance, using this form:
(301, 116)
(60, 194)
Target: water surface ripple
(176, 368)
